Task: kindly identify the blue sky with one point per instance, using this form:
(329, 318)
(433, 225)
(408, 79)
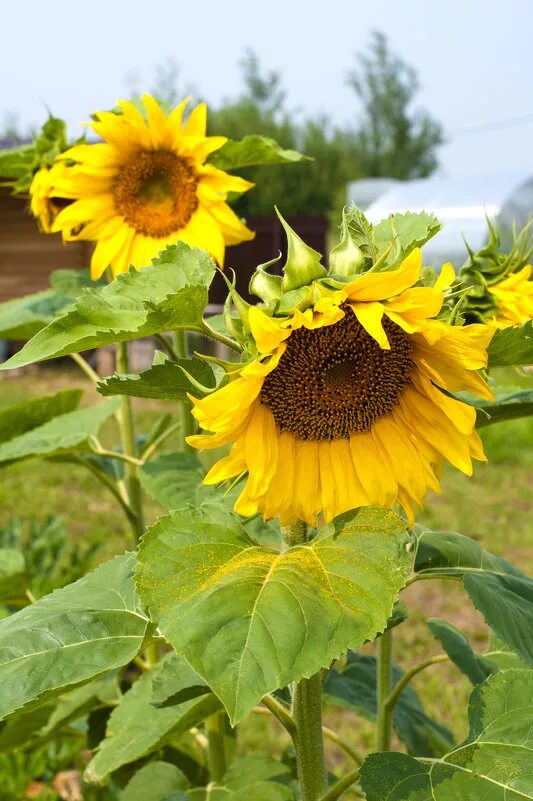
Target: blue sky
(472, 57)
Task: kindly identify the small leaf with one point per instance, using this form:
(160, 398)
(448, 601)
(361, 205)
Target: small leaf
(512, 347)
(69, 637)
(172, 479)
(165, 381)
(170, 295)
(251, 620)
(410, 230)
(142, 722)
(353, 686)
(506, 407)
(22, 318)
(251, 151)
(17, 420)
(493, 764)
(458, 648)
(59, 435)
(155, 781)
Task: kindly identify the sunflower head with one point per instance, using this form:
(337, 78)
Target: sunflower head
(499, 286)
(345, 397)
(145, 185)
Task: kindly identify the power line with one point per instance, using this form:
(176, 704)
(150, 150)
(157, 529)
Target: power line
(498, 125)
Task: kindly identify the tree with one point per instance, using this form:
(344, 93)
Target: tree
(393, 140)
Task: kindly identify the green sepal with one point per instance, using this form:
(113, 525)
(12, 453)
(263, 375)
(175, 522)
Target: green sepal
(303, 263)
(235, 326)
(300, 298)
(265, 286)
(356, 251)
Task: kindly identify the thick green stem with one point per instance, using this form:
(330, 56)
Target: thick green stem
(307, 734)
(180, 347)
(127, 433)
(308, 738)
(384, 681)
(216, 728)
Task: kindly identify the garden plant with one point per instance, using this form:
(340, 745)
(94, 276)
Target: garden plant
(312, 424)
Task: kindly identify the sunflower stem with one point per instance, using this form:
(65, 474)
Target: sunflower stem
(384, 681)
(216, 727)
(307, 738)
(181, 349)
(127, 433)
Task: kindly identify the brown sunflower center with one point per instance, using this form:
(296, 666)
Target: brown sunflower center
(155, 191)
(334, 381)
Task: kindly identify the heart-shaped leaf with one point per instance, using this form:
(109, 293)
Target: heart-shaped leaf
(250, 619)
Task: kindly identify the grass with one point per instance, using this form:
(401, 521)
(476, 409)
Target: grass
(494, 506)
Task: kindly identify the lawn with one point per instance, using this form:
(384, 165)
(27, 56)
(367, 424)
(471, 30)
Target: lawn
(494, 507)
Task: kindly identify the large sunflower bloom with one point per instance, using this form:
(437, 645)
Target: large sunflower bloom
(147, 185)
(347, 403)
(514, 298)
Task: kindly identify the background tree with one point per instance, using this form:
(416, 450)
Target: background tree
(392, 140)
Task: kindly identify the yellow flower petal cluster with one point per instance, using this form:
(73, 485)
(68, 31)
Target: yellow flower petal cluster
(45, 203)
(347, 403)
(144, 186)
(514, 296)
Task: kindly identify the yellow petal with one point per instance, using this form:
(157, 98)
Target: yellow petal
(196, 123)
(383, 285)
(446, 277)
(106, 251)
(306, 500)
(370, 316)
(377, 482)
(232, 465)
(265, 330)
(261, 450)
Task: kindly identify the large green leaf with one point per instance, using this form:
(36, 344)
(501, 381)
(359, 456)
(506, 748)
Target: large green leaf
(172, 479)
(156, 781)
(250, 619)
(502, 594)
(163, 703)
(70, 637)
(18, 419)
(506, 407)
(512, 347)
(253, 150)
(165, 381)
(58, 436)
(353, 686)
(407, 231)
(170, 295)
(458, 648)
(493, 764)
(252, 778)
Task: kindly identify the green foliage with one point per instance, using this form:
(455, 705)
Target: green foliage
(23, 317)
(458, 648)
(58, 436)
(18, 165)
(269, 618)
(493, 762)
(392, 141)
(512, 347)
(70, 637)
(39, 558)
(353, 686)
(504, 407)
(168, 296)
(407, 231)
(251, 151)
(256, 777)
(502, 594)
(168, 380)
(172, 479)
(162, 704)
(23, 417)
(157, 781)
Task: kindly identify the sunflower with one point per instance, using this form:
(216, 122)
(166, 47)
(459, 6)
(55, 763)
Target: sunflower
(147, 185)
(45, 204)
(514, 298)
(348, 402)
